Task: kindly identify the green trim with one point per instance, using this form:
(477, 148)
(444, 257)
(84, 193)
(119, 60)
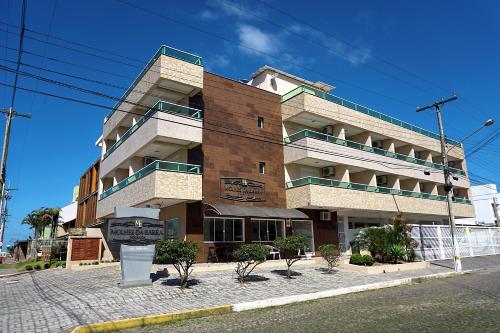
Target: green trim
(159, 106)
(362, 109)
(156, 165)
(328, 138)
(367, 188)
(163, 50)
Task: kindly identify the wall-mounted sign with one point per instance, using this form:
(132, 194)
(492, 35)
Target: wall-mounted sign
(135, 230)
(242, 189)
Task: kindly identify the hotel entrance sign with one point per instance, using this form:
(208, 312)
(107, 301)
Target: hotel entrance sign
(242, 189)
(135, 230)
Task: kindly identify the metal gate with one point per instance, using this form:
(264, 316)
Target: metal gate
(435, 241)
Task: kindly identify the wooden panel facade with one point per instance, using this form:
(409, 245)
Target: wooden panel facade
(87, 196)
(85, 249)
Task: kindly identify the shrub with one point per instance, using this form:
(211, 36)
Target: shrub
(38, 267)
(331, 254)
(361, 260)
(181, 254)
(28, 267)
(398, 252)
(46, 265)
(95, 263)
(411, 254)
(63, 265)
(81, 264)
(248, 257)
(291, 246)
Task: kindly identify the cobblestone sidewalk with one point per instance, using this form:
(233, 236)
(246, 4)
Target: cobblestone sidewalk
(58, 300)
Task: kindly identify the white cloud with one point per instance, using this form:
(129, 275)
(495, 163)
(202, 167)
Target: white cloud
(354, 55)
(255, 41)
(219, 8)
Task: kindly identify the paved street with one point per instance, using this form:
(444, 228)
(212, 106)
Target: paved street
(467, 303)
(58, 300)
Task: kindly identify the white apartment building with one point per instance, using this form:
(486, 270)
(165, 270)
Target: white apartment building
(486, 202)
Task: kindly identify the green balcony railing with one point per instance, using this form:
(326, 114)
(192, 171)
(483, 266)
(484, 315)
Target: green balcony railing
(357, 107)
(155, 166)
(328, 138)
(367, 188)
(163, 50)
(160, 106)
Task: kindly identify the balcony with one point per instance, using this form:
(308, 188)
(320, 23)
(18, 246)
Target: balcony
(164, 181)
(165, 123)
(171, 73)
(302, 139)
(306, 99)
(334, 194)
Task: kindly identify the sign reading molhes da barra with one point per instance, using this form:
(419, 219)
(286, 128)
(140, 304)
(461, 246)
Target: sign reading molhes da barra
(241, 189)
(135, 231)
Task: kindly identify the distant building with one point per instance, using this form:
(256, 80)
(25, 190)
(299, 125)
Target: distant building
(486, 201)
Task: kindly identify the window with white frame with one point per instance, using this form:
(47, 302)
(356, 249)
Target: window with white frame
(267, 230)
(220, 229)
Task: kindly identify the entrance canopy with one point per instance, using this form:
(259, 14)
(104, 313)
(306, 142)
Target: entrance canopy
(264, 212)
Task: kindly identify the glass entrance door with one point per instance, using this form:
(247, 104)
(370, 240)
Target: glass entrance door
(301, 227)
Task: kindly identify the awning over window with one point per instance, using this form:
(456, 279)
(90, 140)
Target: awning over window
(265, 212)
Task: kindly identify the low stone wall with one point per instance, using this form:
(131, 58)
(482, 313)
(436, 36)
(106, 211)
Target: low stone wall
(386, 268)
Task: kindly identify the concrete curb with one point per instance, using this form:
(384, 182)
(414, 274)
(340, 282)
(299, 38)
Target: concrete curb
(122, 324)
(115, 325)
(278, 301)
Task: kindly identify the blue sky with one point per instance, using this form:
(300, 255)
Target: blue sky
(452, 45)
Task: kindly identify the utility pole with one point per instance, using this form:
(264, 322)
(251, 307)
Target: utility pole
(3, 212)
(448, 186)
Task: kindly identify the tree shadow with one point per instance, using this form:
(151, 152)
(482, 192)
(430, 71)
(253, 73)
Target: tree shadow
(158, 275)
(283, 272)
(325, 271)
(176, 282)
(254, 278)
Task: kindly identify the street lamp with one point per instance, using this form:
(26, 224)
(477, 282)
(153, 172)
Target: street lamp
(487, 123)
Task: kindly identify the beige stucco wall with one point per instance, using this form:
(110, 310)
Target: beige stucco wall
(338, 198)
(309, 103)
(158, 184)
(317, 149)
(168, 127)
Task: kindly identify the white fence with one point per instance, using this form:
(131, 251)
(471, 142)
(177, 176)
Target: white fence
(435, 241)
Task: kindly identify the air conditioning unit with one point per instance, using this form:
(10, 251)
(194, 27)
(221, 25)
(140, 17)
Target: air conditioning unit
(328, 171)
(452, 164)
(325, 216)
(148, 160)
(381, 180)
(377, 144)
(328, 130)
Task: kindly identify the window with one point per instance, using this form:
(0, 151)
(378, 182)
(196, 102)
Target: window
(260, 122)
(216, 229)
(267, 230)
(262, 168)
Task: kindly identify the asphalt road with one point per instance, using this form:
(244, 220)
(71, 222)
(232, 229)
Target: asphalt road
(469, 303)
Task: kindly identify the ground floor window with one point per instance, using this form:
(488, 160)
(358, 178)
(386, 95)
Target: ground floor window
(220, 229)
(267, 230)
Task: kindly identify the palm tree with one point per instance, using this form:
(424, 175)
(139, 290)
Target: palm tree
(40, 218)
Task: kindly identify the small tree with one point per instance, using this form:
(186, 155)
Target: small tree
(291, 246)
(331, 254)
(180, 254)
(248, 257)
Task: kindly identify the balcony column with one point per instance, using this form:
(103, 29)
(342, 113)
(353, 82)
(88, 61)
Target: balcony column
(393, 182)
(367, 177)
(426, 155)
(388, 145)
(410, 185)
(406, 150)
(342, 173)
(135, 118)
(136, 163)
(363, 138)
(120, 131)
(119, 175)
(339, 131)
(432, 188)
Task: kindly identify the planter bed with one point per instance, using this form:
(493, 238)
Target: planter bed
(378, 268)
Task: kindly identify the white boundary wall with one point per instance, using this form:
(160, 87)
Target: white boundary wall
(434, 241)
